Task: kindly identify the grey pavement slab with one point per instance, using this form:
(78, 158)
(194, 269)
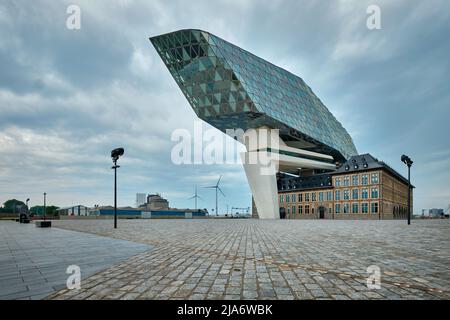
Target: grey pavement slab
(34, 261)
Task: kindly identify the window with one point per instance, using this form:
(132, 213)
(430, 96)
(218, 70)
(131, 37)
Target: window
(364, 179)
(320, 196)
(374, 193)
(288, 210)
(374, 178)
(364, 194)
(300, 197)
(329, 195)
(374, 207)
(346, 208)
(307, 209)
(294, 198)
(355, 208)
(329, 210)
(300, 209)
(355, 194)
(312, 210)
(288, 198)
(346, 194)
(355, 180)
(364, 207)
(346, 181)
(337, 208)
(338, 182)
(293, 210)
(281, 199)
(307, 197)
(313, 196)
(338, 195)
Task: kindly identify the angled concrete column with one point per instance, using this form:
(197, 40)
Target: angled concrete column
(266, 155)
(263, 184)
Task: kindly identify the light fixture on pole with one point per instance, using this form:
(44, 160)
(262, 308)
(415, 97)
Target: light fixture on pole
(115, 155)
(45, 195)
(407, 160)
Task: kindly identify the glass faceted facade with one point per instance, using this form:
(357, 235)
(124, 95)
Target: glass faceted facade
(231, 88)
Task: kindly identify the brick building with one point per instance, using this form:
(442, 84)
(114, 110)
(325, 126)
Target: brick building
(361, 188)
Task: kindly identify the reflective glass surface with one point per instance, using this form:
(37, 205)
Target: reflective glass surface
(232, 88)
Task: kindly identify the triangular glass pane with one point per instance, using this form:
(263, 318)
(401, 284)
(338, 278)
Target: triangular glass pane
(196, 35)
(186, 55)
(207, 101)
(233, 107)
(194, 52)
(205, 36)
(201, 67)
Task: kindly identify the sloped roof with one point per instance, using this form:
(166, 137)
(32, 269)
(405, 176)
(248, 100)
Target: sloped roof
(364, 162)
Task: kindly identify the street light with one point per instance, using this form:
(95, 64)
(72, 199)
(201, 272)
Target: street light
(115, 154)
(407, 160)
(45, 194)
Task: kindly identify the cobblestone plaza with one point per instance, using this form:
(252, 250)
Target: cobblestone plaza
(227, 259)
(255, 259)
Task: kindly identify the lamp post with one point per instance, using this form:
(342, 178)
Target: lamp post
(115, 154)
(407, 160)
(45, 194)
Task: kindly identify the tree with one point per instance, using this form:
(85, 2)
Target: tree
(9, 204)
(49, 210)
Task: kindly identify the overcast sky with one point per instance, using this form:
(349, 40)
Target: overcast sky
(67, 97)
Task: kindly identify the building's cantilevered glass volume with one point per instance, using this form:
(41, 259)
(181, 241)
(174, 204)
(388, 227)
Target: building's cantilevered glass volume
(232, 88)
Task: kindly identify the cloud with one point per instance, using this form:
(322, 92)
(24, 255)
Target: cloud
(67, 97)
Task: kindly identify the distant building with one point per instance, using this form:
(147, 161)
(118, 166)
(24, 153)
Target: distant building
(155, 207)
(436, 213)
(127, 212)
(141, 198)
(156, 202)
(78, 210)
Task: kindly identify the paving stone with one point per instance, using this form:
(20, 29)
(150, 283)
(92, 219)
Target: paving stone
(252, 259)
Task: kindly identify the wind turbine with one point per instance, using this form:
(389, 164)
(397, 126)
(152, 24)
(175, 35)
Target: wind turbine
(195, 196)
(217, 189)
